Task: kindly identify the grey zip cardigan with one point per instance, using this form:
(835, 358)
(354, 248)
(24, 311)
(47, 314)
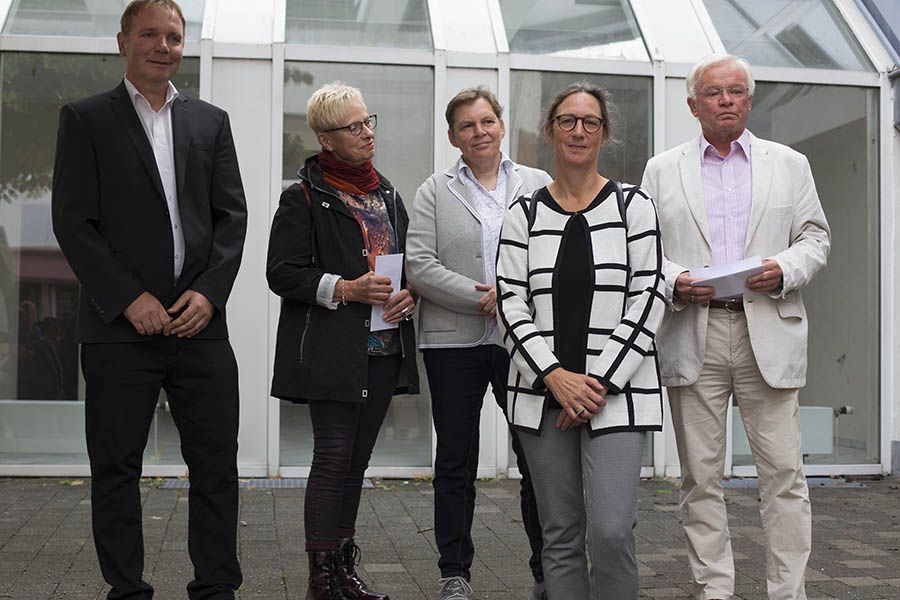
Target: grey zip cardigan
(322, 354)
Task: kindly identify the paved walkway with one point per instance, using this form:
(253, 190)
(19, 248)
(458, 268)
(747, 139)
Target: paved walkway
(46, 550)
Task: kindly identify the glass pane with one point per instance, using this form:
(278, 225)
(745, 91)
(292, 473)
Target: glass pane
(623, 159)
(403, 99)
(386, 23)
(576, 28)
(84, 18)
(836, 127)
(41, 413)
(787, 33)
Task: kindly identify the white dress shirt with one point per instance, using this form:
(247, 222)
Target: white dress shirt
(158, 127)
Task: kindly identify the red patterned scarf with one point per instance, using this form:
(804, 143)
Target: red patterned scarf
(353, 179)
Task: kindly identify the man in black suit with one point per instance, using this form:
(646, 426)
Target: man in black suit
(149, 209)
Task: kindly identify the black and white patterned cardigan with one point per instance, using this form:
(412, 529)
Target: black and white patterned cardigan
(621, 352)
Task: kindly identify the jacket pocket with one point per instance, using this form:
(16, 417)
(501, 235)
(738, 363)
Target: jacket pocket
(437, 318)
(790, 308)
(304, 335)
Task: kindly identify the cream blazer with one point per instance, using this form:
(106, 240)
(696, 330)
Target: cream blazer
(787, 224)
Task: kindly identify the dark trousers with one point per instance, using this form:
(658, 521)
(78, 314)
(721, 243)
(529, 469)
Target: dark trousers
(123, 382)
(458, 378)
(344, 434)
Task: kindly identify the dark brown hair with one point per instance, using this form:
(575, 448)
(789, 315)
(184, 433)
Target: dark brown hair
(468, 96)
(136, 6)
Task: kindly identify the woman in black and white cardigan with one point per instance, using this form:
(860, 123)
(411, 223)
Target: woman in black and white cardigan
(580, 296)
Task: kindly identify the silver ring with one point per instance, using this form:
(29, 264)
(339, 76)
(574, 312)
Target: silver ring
(578, 414)
(407, 318)
(405, 310)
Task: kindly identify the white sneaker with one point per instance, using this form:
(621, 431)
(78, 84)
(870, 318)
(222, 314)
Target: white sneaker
(455, 588)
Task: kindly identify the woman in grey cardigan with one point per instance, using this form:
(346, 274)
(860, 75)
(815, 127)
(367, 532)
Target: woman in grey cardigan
(580, 296)
(451, 251)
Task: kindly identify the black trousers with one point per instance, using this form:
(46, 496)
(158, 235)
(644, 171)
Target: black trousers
(458, 378)
(344, 434)
(123, 382)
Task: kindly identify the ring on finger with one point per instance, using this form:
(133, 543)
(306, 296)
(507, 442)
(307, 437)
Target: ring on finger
(405, 310)
(578, 414)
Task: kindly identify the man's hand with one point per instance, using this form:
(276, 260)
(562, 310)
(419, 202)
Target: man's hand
(771, 278)
(684, 291)
(580, 396)
(196, 311)
(488, 303)
(147, 315)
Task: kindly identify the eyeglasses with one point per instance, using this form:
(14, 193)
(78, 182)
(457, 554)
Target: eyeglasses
(568, 123)
(371, 122)
(736, 92)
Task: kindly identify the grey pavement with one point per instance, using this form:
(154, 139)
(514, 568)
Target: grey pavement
(46, 551)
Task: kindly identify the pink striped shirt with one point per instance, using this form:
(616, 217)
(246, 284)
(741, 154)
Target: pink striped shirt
(727, 193)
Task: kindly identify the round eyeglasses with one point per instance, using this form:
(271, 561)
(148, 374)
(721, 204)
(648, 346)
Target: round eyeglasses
(568, 122)
(370, 122)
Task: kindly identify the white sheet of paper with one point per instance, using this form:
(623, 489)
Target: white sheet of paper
(730, 279)
(389, 265)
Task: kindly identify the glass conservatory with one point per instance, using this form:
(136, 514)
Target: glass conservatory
(827, 84)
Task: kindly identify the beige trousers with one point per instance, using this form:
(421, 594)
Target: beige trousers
(771, 418)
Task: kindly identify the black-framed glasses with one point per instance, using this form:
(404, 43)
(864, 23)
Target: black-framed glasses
(371, 122)
(590, 123)
(736, 92)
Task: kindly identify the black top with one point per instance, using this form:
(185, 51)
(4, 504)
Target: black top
(573, 288)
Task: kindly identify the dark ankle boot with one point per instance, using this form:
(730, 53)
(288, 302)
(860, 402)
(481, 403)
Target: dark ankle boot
(349, 583)
(323, 576)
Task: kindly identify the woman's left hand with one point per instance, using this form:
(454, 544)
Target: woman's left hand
(400, 306)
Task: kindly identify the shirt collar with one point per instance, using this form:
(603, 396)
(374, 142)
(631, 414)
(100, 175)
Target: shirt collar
(506, 167)
(742, 143)
(134, 93)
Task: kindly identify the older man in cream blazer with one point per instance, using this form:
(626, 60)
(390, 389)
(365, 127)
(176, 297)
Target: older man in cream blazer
(724, 196)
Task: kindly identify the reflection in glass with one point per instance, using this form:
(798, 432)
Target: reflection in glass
(41, 420)
(596, 29)
(836, 127)
(403, 99)
(623, 159)
(787, 33)
(83, 18)
(385, 23)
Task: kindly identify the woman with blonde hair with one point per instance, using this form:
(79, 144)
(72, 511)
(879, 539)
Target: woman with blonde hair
(328, 229)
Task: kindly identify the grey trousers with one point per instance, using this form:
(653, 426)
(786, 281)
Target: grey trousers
(586, 490)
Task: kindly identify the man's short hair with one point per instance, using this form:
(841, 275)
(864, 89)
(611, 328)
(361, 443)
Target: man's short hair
(714, 60)
(469, 95)
(136, 6)
(329, 104)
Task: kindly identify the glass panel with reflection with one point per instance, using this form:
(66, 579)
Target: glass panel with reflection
(573, 28)
(83, 18)
(403, 99)
(787, 33)
(836, 127)
(41, 389)
(385, 23)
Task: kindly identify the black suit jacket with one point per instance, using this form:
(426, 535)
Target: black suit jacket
(112, 222)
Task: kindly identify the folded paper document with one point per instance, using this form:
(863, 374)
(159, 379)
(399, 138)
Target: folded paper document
(729, 280)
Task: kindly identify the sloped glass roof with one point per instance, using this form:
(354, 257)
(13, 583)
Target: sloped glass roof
(787, 33)
(374, 23)
(85, 18)
(573, 28)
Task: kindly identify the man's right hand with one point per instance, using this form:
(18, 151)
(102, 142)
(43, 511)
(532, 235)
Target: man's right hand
(698, 294)
(147, 315)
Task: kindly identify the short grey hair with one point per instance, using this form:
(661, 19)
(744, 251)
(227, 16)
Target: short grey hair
(714, 60)
(328, 105)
